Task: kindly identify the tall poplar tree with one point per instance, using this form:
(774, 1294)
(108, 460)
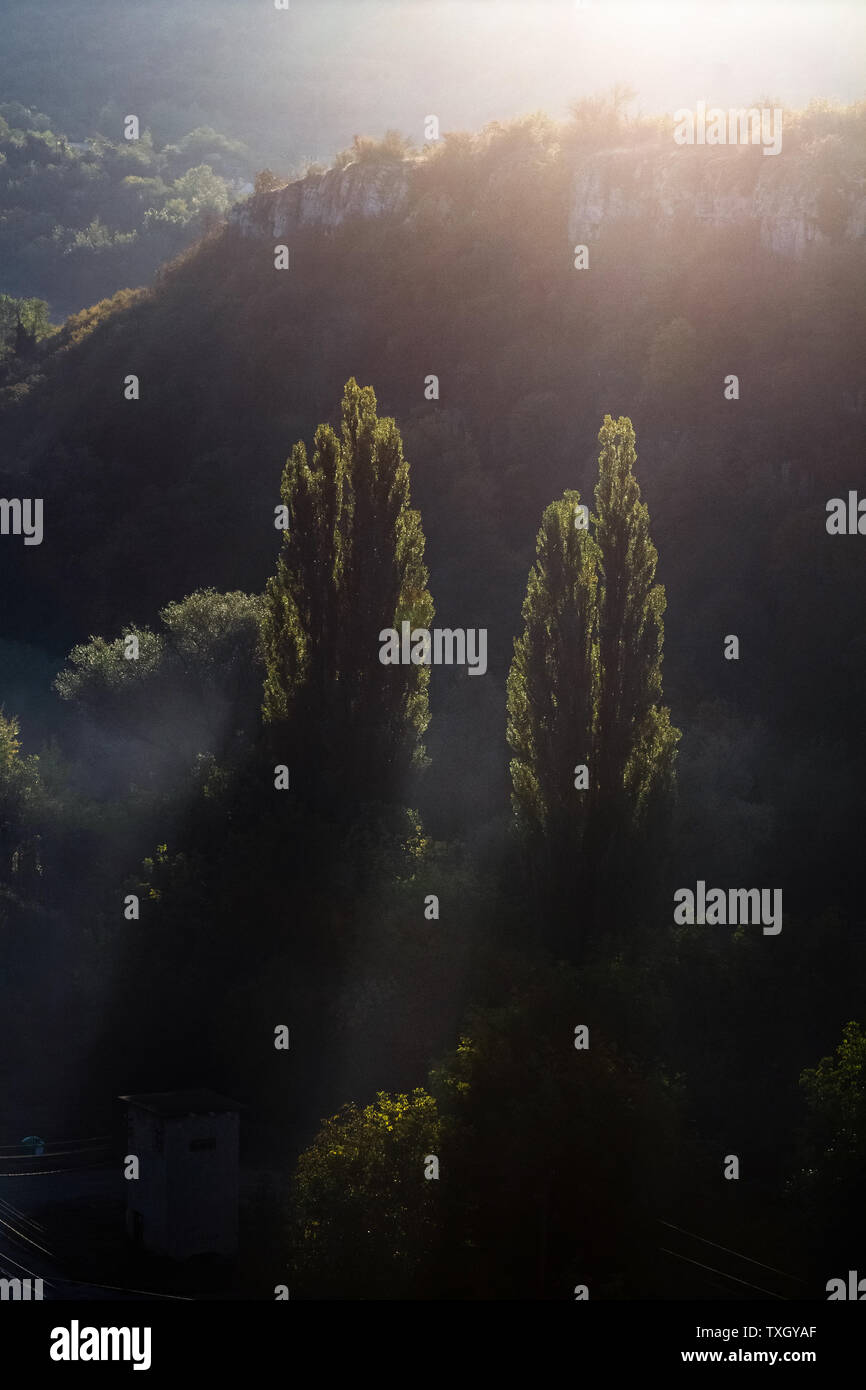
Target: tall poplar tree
(351, 564)
(552, 683)
(585, 688)
(636, 741)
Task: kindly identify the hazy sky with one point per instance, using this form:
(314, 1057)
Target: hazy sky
(303, 82)
(476, 56)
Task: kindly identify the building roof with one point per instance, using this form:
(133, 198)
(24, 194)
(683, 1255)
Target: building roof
(174, 1105)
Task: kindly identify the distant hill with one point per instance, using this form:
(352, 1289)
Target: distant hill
(80, 219)
(460, 264)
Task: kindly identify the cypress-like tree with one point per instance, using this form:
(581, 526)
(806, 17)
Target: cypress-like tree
(636, 741)
(585, 688)
(351, 564)
(552, 684)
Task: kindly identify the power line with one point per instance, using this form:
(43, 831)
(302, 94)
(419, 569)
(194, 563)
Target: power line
(116, 1288)
(21, 1235)
(746, 1285)
(20, 1215)
(91, 1139)
(57, 1153)
(735, 1253)
(50, 1172)
(7, 1259)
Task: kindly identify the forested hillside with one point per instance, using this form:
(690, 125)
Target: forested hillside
(81, 219)
(164, 428)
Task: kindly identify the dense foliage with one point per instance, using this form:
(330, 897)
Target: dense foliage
(261, 907)
(80, 219)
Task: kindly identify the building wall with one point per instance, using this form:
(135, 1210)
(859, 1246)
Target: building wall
(202, 1189)
(187, 1192)
(148, 1194)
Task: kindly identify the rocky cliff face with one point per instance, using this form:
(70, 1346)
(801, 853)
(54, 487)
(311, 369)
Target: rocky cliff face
(794, 200)
(368, 189)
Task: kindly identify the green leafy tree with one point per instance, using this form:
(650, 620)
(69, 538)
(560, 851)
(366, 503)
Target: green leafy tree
(547, 1157)
(202, 190)
(351, 565)
(392, 146)
(600, 120)
(360, 1188)
(193, 688)
(23, 322)
(265, 181)
(18, 786)
(204, 145)
(830, 1185)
